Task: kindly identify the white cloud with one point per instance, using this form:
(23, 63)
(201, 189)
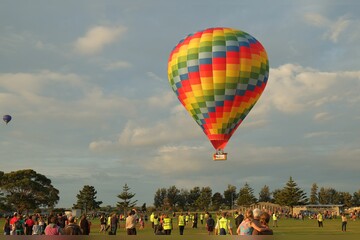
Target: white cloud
(162, 132)
(322, 116)
(61, 97)
(118, 65)
(295, 89)
(161, 100)
(97, 38)
(345, 158)
(316, 19)
(333, 29)
(154, 76)
(318, 134)
(33, 83)
(167, 157)
(338, 28)
(141, 133)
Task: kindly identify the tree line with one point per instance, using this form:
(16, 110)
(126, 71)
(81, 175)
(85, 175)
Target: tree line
(26, 190)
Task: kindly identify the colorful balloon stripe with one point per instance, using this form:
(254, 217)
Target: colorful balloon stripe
(218, 74)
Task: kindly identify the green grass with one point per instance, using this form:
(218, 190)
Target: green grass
(288, 229)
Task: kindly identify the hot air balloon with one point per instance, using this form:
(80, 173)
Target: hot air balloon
(7, 118)
(218, 75)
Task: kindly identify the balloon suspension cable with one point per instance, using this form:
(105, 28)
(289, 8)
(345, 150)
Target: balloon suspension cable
(219, 151)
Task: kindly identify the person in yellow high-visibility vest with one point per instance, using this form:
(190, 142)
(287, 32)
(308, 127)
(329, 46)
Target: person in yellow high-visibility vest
(223, 225)
(275, 217)
(201, 218)
(152, 219)
(181, 223)
(167, 224)
(156, 222)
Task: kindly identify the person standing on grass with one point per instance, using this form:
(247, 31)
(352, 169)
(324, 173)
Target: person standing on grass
(223, 225)
(343, 222)
(102, 223)
(108, 223)
(181, 223)
(114, 221)
(36, 229)
(72, 228)
(152, 219)
(7, 226)
(52, 228)
(130, 223)
(156, 223)
(320, 219)
(167, 224)
(275, 219)
(210, 224)
(84, 225)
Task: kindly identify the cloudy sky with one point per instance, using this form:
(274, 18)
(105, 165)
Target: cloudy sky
(86, 84)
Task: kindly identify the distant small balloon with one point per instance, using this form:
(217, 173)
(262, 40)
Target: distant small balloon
(7, 118)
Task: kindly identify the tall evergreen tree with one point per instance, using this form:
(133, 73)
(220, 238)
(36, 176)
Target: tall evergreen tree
(172, 196)
(204, 200)
(230, 196)
(314, 194)
(86, 199)
(328, 196)
(323, 196)
(278, 197)
(246, 196)
(216, 201)
(293, 195)
(265, 195)
(159, 197)
(356, 199)
(183, 200)
(126, 197)
(345, 198)
(193, 196)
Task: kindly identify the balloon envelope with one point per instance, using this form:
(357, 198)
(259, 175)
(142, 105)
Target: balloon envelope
(218, 74)
(7, 118)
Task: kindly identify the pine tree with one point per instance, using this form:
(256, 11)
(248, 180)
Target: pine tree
(265, 195)
(314, 194)
(86, 199)
(292, 195)
(126, 197)
(246, 196)
(230, 196)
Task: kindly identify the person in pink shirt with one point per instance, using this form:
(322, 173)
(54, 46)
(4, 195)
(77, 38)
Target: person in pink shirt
(52, 228)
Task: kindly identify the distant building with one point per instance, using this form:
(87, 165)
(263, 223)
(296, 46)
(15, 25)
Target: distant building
(334, 209)
(265, 206)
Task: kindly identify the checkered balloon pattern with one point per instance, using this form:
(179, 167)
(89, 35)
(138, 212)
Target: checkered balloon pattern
(218, 74)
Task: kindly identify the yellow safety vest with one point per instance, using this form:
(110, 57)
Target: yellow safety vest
(167, 224)
(181, 220)
(152, 217)
(223, 223)
(156, 221)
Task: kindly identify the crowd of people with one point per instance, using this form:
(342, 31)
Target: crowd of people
(252, 222)
(54, 224)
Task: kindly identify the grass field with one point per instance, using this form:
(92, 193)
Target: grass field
(288, 229)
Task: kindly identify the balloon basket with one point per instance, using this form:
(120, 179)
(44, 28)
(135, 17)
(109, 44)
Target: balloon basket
(220, 157)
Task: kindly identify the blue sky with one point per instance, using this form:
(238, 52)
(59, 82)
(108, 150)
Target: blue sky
(86, 84)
